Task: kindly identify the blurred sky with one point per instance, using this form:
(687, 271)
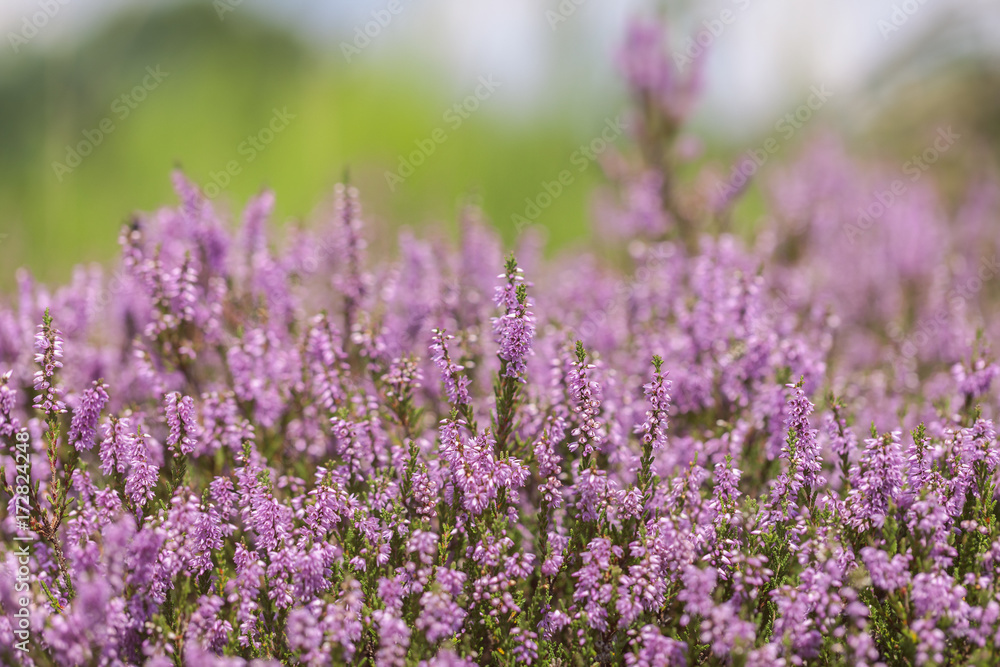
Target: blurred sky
(758, 64)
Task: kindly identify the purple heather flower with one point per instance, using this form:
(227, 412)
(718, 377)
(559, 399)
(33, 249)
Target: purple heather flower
(447, 658)
(550, 463)
(48, 355)
(476, 472)
(842, 438)
(648, 68)
(324, 354)
(394, 639)
(586, 393)
(978, 444)
(401, 379)
(206, 537)
(262, 513)
(142, 474)
(876, 480)
(525, 645)
(343, 619)
(9, 424)
(976, 381)
(594, 494)
(206, 627)
(264, 369)
(643, 587)
(592, 591)
(440, 616)
(182, 422)
(349, 278)
(244, 589)
(654, 428)
(224, 426)
(83, 428)
(118, 446)
(305, 633)
(652, 649)
(697, 593)
(515, 329)
(889, 574)
(456, 383)
(802, 451)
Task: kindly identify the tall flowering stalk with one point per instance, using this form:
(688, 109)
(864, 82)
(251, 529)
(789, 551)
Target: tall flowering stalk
(46, 521)
(182, 440)
(514, 332)
(350, 278)
(586, 393)
(48, 356)
(456, 383)
(654, 428)
(802, 452)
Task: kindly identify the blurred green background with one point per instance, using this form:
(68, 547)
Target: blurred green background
(223, 81)
(226, 73)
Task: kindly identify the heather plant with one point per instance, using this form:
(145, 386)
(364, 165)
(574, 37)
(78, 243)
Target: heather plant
(246, 448)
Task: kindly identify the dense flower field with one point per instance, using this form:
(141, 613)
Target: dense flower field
(694, 449)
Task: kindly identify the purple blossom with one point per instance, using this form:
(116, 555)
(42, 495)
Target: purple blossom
(654, 428)
(142, 474)
(887, 573)
(9, 423)
(394, 638)
(182, 422)
(514, 330)
(592, 592)
(243, 589)
(48, 356)
(876, 480)
(117, 447)
(455, 382)
(586, 393)
(652, 649)
(83, 428)
(441, 616)
(205, 626)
